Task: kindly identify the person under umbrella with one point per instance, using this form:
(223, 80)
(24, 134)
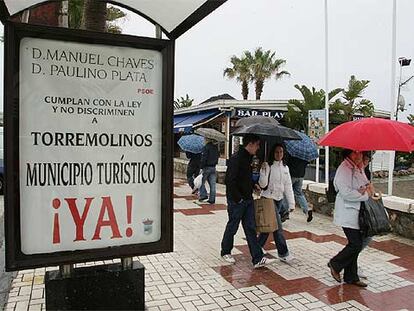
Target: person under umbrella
(240, 208)
(301, 152)
(276, 183)
(193, 146)
(209, 160)
(353, 188)
(352, 185)
(297, 168)
(193, 169)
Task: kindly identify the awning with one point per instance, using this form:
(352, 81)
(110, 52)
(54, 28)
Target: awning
(185, 123)
(174, 16)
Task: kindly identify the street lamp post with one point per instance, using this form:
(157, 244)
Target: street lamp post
(403, 63)
(399, 107)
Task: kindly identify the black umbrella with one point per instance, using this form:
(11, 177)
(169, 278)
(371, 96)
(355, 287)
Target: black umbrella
(268, 131)
(256, 120)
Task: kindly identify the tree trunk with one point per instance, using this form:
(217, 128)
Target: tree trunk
(259, 89)
(94, 15)
(245, 90)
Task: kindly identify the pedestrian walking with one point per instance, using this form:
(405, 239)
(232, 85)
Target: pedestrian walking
(297, 168)
(240, 208)
(352, 188)
(276, 182)
(209, 160)
(193, 168)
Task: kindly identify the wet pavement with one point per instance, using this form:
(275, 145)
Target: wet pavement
(194, 277)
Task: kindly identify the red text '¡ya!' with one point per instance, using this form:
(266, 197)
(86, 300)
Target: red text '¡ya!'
(106, 218)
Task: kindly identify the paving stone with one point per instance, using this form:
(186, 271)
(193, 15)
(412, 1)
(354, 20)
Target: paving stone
(194, 277)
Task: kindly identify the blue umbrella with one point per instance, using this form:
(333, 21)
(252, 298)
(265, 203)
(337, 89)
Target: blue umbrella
(191, 143)
(304, 149)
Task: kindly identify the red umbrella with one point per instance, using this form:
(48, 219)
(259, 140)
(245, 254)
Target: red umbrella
(371, 134)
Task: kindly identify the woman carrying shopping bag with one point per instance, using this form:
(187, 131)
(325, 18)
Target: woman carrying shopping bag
(275, 181)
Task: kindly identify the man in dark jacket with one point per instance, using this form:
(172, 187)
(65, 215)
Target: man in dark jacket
(193, 168)
(297, 168)
(209, 160)
(239, 190)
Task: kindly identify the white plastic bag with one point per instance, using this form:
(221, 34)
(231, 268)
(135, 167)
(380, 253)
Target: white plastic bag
(198, 180)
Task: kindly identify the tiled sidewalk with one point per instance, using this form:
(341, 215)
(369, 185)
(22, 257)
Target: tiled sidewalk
(194, 277)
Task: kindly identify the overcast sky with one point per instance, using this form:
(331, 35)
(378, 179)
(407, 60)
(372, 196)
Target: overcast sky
(359, 44)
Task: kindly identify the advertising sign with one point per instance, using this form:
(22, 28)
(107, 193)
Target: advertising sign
(317, 122)
(90, 147)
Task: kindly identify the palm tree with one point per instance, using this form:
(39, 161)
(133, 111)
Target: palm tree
(297, 114)
(353, 99)
(183, 102)
(241, 71)
(76, 10)
(264, 65)
(94, 15)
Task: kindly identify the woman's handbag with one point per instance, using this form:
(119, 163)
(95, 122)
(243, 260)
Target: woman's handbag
(373, 218)
(265, 215)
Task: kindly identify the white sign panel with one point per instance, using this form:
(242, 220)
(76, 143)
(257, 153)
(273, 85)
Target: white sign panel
(90, 146)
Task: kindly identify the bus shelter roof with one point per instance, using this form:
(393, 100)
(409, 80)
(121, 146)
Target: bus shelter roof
(175, 17)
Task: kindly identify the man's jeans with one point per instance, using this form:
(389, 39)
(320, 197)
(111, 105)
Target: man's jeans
(278, 236)
(209, 175)
(243, 212)
(299, 196)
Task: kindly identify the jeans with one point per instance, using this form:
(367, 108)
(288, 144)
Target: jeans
(192, 172)
(209, 175)
(347, 258)
(280, 241)
(299, 196)
(283, 207)
(243, 212)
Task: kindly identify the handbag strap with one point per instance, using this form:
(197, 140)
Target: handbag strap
(268, 179)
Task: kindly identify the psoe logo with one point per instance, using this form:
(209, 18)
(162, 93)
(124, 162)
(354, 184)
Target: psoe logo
(144, 91)
(147, 226)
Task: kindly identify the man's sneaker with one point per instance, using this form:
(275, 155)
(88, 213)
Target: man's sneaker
(229, 258)
(361, 273)
(284, 217)
(202, 200)
(310, 216)
(287, 259)
(265, 261)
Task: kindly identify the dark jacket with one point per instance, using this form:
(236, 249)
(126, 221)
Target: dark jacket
(297, 167)
(239, 183)
(195, 159)
(209, 155)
